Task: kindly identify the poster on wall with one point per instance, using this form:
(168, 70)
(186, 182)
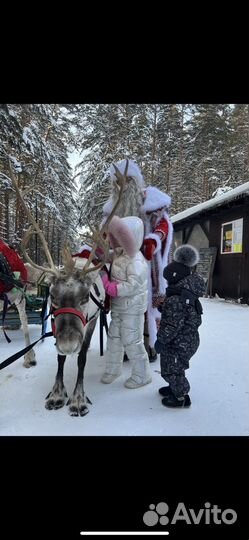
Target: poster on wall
(231, 236)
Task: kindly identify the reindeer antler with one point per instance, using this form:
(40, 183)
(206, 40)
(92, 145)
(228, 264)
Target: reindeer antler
(98, 235)
(24, 243)
(34, 229)
(68, 260)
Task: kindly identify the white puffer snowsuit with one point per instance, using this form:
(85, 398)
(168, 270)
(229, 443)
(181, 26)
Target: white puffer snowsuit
(127, 311)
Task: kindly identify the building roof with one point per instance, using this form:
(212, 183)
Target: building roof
(219, 200)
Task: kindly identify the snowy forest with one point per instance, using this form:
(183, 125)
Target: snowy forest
(188, 151)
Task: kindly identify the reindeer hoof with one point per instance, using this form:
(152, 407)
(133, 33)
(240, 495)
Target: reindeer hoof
(30, 363)
(77, 406)
(55, 401)
(54, 404)
(29, 359)
(78, 411)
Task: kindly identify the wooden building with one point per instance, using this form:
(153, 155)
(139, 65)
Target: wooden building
(219, 228)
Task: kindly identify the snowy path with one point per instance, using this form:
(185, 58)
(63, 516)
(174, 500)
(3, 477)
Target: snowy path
(219, 378)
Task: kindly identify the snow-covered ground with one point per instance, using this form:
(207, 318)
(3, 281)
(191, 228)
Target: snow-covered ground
(219, 378)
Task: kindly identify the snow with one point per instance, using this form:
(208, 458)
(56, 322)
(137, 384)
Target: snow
(211, 203)
(218, 376)
(220, 191)
(27, 137)
(74, 158)
(16, 163)
(4, 181)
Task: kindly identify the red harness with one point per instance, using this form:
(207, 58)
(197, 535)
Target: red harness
(73, 311)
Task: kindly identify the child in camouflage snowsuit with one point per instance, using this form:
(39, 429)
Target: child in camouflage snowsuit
(178, 336)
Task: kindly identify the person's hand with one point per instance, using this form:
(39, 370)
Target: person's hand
(109, 286)
(149, 247)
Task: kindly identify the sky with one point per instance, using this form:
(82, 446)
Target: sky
(218, 376)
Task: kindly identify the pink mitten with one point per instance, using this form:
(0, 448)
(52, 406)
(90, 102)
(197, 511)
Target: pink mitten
(110, 286)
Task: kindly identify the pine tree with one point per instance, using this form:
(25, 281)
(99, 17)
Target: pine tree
(208, 150)
(38, 153)
(239, 147)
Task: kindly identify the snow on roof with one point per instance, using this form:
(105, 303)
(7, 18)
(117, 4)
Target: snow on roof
(211, 203)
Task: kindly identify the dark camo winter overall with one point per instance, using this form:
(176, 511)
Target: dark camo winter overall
(178, 331)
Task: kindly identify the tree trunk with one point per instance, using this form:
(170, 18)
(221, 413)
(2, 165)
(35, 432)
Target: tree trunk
(154, 144)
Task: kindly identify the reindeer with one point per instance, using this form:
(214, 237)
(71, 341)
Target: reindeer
(16, 296)
(75, 313)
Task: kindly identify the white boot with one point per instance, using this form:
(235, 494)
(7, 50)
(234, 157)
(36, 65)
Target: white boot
(140, 374)
(136, 382)
(108, 378)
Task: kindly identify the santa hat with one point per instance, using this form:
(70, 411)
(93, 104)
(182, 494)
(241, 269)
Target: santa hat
(133, 171)
(155, 199)
(187, 255)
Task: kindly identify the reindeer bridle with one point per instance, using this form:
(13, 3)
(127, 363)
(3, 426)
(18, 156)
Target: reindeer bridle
(61, 311)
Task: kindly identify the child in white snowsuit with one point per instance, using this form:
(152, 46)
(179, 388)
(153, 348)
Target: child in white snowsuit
(128, 288)
(178, 336)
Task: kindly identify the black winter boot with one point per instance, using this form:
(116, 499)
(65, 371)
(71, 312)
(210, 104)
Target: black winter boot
(165, 391)
(172, 401)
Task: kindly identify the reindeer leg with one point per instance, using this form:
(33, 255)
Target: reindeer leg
(56, 398)
(78, 401)
(29, 358)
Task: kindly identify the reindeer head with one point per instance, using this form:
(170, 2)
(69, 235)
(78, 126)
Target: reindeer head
(70, 297)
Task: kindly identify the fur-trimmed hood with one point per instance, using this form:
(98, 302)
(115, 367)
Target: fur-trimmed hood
(155, 199)
(127, 232)
(133, 170)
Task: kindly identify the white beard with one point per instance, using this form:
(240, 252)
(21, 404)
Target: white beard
(131, 201)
